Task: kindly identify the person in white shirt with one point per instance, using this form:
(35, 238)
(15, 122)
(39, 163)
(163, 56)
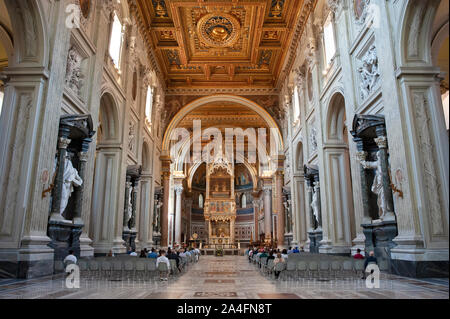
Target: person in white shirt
(163, 259)
(133, 253)
(70, 258)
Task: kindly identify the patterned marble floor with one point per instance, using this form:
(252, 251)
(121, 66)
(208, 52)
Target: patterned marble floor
(227, 277)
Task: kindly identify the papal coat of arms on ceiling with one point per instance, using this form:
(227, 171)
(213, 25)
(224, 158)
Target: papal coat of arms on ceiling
(218, 29)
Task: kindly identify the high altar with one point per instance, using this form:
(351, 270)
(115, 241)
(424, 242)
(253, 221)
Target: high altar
(220, 206)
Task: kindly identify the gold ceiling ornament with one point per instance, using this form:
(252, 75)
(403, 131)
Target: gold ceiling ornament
(218, 29)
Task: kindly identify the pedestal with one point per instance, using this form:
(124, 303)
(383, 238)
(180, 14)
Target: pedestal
(64, 236)
(379, 236)
(315, 236)
(129, 236)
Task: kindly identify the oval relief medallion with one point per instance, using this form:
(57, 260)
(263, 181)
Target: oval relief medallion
(218, 29)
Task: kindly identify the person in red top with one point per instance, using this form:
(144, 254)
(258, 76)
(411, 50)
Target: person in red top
(358, 254)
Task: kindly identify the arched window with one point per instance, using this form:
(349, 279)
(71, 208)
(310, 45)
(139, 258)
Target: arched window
(296, 105)
(328, 39)
(243, 201)
(200, 201)
(115, 43)
(149, 104)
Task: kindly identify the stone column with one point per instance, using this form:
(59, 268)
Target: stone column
(267, 213)
(280, 207)
(127, 200)
(165, 212)
(381, 141)
(63, 142)
(255, 219)
(362, 156)
(78, 192)
(179, 192)
(134, 198)
(312, 219)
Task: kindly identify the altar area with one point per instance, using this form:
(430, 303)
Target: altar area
(220, 205)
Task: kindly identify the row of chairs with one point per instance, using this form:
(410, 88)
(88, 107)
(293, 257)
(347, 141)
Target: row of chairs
(126, 268)
(341, 268)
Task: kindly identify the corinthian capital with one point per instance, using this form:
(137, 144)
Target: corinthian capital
(178, 189)
(334, 5)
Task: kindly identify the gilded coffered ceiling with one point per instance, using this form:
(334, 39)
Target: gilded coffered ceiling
(234, 43)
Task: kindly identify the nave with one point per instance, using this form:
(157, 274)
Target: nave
(227, 277)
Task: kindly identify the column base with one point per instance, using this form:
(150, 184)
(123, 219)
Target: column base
(419, 262)
(86, 249)
(34, 259)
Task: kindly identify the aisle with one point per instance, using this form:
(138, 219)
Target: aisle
(228, 277)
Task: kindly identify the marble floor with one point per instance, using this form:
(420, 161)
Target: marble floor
(227, 277)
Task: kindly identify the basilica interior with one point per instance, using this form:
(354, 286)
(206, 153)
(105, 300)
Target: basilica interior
(225, 124)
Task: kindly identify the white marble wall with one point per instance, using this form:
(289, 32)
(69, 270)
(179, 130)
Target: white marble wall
(406, 93)
(41, 85)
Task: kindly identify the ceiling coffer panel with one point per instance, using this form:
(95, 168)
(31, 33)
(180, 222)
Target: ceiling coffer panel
(220, 43)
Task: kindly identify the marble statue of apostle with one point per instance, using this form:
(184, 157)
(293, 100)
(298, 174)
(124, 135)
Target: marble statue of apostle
(377, 185)
(315, 206)
(70, 178)
(129, 206)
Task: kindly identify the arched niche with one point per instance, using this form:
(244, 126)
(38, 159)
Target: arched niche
(299, 157)
(146, 162)
(336, 119)
(109, 129)
(29, 34)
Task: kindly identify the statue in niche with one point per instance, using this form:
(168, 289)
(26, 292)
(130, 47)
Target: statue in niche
(70, 179)
(315, 206)
(129, 206)
(377, 185)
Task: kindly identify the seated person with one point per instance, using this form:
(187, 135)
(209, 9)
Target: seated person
(277, 260)
(370, 260)
(358, 254)
(271, 256)
(284, 254)
(133, 253)
(163, 259)
(173, 255)
(152, 254)
(70, 258)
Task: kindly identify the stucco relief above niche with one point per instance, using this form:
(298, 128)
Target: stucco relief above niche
(368, 72)
(74, 71)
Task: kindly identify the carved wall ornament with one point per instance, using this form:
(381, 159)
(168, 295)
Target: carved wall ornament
(361, 11)
(131, 137)
(369, 73)
(313, 139)
(334, 5)
(74, 75)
